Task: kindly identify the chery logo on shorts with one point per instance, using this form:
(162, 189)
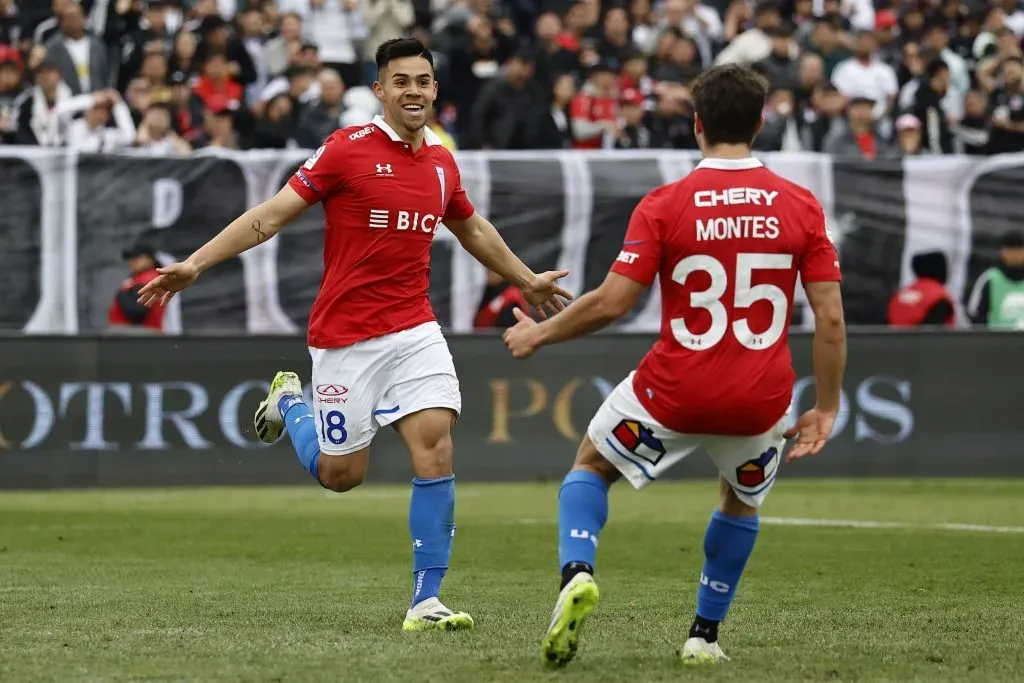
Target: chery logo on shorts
(331, 393)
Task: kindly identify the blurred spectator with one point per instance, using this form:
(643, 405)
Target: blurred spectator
(138, 35)
(90, 133)
(555, 130)
(633, 132)
(386, 19)
(499, 298)
(156, 136)
(826, 41)
(321, 118)
(473, 65)
(908, 135)
(218, 128)
(183, 58)
(593, 113)
(781, 132)
(11, 89)
(997, 298)
(505, 115)
(937, 38)
(49, 27)
(137, 96)
(125, 310)
(217, 37)
(282, 48)
(925, 301)
(1008, 111)
(929, 110)
(754, 44)
(696, 20)
(37, 122)
(275, 128)
(780, 67)
(334, 26)
(865, 76)
(671, 121)
(645, 25)
(973, 130)
(154, 75)
(859, 137)
(216, 83)
(13, 31)
(887, 24)
(186, 109)
(80, 56)
(551, 59)
(616, 39)
(634, 75)
(824, 118)
(253, 36)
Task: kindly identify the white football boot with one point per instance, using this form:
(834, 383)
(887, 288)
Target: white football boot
(575, 603)
(699, 651)
(432, 615)
(268, 421)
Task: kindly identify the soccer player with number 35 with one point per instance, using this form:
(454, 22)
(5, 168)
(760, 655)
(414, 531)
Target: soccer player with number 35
(379, 357)
(727, 243)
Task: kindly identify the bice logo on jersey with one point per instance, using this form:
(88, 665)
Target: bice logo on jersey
(759, 470)
(331, 393)
(639, 440)
(382, 219)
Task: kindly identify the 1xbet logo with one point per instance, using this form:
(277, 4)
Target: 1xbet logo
(331, 393)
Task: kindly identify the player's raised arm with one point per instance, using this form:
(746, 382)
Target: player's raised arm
(481, 239)
(252, 228)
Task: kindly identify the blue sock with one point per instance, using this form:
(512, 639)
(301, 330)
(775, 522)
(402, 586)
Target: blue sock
(298, 420)
(432, 526)
(728, 543)
(582, 513)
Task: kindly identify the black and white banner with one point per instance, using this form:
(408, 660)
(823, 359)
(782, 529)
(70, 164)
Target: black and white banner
(67, 217)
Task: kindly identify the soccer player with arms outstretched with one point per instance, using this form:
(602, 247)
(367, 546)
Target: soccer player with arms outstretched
(379, 357)
(727, 242)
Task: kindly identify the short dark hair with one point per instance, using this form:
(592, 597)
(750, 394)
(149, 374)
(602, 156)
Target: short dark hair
(399, 48)
(729, 100)
(936, 66)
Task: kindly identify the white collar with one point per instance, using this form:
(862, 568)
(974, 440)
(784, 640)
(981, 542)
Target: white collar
(430, 138)
(730, 164)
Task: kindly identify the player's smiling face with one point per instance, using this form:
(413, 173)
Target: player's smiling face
(408, 90)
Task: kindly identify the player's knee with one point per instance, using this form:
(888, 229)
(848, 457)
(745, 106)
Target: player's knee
(731, 504)
(339, 475)
(588, 458)
(434, 456)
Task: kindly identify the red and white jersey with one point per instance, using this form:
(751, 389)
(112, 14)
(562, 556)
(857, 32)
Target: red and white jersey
(728, 242)
(382, 205)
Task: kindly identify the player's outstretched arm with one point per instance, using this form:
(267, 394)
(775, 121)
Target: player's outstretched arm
(481, 239)
(595, 310)
(814, 427)
(252, 228)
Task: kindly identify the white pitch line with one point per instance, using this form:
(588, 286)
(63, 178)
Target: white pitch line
(861, 524)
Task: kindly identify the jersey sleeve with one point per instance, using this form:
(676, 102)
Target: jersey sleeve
(640, 258)
(459, 207)
(322, 174)
(820, 261)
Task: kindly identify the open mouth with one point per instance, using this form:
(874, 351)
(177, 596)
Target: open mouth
(413, 108)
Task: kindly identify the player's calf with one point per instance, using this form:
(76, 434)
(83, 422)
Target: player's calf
(341, 473)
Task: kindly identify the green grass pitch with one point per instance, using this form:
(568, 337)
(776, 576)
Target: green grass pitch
(296, 584)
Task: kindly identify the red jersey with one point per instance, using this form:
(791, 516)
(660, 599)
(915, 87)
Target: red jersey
(589, 107)
(910, 306)
(727, 242)
(116, 314)
(215, 97)
(382, 205)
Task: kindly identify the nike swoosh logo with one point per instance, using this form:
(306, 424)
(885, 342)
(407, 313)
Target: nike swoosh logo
(632, 242)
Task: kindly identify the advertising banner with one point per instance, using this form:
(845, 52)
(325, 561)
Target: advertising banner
(72, 215)
(84, 412)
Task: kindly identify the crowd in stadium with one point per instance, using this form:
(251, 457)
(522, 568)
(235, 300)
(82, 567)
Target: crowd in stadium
(847, 77)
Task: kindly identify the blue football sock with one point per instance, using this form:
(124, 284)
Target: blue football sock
(582, 513)
(298, 420)
(728, 543)
(432, 526)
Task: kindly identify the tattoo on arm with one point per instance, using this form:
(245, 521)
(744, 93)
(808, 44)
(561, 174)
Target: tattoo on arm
(261, 236)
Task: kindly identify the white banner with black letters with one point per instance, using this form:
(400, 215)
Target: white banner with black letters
(66, 219)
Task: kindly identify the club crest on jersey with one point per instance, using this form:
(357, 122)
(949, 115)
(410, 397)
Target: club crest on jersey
(639, 440)
(755, 472)
(384, 170)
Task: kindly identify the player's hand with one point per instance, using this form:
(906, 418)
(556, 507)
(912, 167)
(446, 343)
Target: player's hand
(543, 292)
(521, 338)
(811, 431)
(171, 279)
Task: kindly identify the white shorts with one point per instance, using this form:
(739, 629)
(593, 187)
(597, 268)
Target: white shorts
(642, 449)
(360, 388)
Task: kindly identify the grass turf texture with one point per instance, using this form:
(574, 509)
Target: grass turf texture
(301, 585)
